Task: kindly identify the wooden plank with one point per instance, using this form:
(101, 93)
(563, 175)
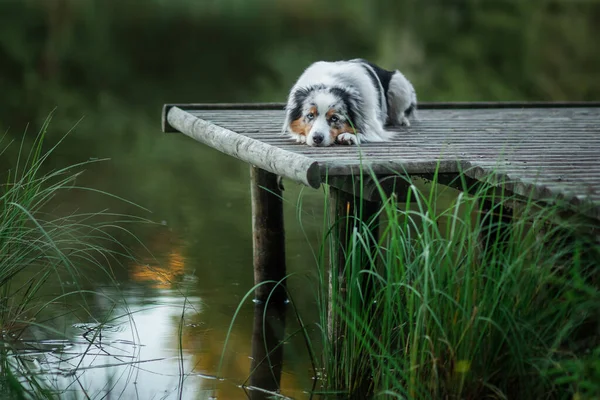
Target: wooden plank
(252, 151)
(444, 121)
(425, 105)
(420, 166)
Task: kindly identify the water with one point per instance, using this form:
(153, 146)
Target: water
(194, 261)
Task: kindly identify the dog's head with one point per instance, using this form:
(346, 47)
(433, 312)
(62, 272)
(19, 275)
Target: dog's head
(318, 114)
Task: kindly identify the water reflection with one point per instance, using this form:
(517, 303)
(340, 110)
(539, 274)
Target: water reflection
(138, 355)
(161, 276)
(134, 354)
(267, 350)
(168, 341)
(195, 261)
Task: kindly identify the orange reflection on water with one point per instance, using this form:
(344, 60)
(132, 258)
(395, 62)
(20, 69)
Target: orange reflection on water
(161, 275)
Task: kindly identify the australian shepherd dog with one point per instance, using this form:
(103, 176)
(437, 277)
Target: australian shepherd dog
(348, 102)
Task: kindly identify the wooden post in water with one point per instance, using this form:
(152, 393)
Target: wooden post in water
(349, 211)
(268, 236)
(267, 350)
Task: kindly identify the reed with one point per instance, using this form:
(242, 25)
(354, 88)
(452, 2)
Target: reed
(461, 303)
(40, 252)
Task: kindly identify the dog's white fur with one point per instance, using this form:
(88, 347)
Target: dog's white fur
(347, 102)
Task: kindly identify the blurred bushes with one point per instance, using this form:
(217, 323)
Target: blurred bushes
(109, 58)
(155, 51)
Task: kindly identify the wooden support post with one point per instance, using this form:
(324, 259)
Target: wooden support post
(348, 211)
(268, 235)
(267, 350)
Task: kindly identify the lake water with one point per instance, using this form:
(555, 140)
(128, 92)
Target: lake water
(194, 260)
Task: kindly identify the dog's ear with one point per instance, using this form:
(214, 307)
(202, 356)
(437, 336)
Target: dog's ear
(354, 106)
(299, 97)
(293, 109)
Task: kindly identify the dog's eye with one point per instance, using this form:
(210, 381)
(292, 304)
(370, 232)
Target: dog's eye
(310, 116)
(334, 119)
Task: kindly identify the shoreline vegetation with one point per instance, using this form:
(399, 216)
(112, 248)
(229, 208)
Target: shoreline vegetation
(48, 262)
(488, 295)
(470, 299)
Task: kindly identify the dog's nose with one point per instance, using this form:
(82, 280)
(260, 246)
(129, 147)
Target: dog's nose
(318, 138)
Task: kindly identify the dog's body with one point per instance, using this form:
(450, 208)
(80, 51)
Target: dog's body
(347, 102)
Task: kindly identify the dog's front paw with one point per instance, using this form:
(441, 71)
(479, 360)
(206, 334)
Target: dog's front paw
(404, 122)
(301, 139)
(347, 138)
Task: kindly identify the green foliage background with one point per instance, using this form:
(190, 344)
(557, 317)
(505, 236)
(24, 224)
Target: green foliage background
(100, 56)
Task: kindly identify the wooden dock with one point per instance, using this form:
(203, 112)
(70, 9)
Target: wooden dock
(545, 151)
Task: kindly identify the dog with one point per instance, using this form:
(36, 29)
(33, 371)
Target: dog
(348, 102)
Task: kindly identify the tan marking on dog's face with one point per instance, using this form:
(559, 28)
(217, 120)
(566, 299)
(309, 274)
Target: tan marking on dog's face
(299, 127)
(302, 125)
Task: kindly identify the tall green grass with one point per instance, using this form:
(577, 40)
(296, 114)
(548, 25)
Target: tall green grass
(40, 252)
(455, 295)
(457, 300)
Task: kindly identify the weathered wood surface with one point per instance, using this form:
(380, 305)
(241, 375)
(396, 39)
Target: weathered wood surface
(544, 152)
(422, 106)
(268, 236)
